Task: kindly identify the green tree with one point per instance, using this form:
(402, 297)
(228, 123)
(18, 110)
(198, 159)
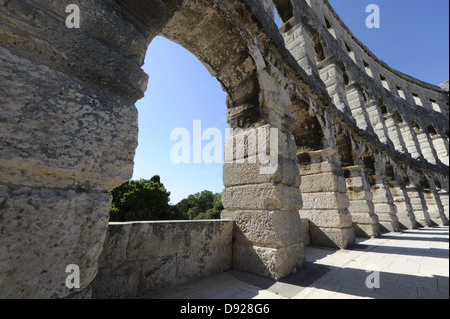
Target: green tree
(204, 205)
(142, 200)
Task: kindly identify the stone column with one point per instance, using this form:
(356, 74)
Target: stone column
(356, 102)
(394, 133)
(418, 202)
(405, 214)
(435, 204)
(377, 121)
(441, 149)
(264, 205)
(411, 143)
(325, 200)
(426, 146)
(301, 45)
(262, 180)
(382, 199)
(332, 75)
(443, 195)
(68, 133)
(365, 221)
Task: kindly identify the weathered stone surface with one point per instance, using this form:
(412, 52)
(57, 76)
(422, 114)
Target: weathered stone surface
(262, 197)
(34, 261)
(332, 237)
(268, 262)
(275, 229)
(141, 258)
(328, 218)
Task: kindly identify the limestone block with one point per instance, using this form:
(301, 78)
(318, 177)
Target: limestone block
(74, 136)
(268, 262)
(273, 229)
(262, 197)
(367, 230)
(327, 218)
(144, 257)
(332, 237)
(320, 167)
(361, 206)
(326, 182)
(364, 218)
(259, 141)
(156, 239)
(235, 174)
(200, 263)
(305, 232)
(325, 201)
(43, 231)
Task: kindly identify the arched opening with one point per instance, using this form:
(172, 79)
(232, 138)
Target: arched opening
(182, 104)
(416, 126)
(345, 149)
(318, 46)
(308, 134)
(284, 9)
(345, 74)
(383, 107)
(431, 130)
(369, 168)
(398, 117)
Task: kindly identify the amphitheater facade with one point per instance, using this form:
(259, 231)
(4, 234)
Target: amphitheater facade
(362, 148)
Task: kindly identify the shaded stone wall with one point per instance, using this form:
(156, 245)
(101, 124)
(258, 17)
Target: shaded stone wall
(141, 258)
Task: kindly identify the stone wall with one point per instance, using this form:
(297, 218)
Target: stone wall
(141, 258)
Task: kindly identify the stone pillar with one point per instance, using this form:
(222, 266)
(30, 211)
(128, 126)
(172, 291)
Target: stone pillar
(410, 142)
(394, 133)
(333, 77)
(418, 202)
(443, 195)
(382, 199)
(356, 102)
(263, 201)
(405, 214)
(301, 45)
(365, 221)
(441, 149)
(435, 205)
(428, 151)
(377, 121)
(325, 200)
(68, 133)
(262, 181)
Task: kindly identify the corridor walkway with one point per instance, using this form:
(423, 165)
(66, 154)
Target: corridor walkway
(413, 264)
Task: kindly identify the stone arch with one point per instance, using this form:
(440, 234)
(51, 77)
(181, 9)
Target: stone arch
(308, 132)
(398, 117)
(431, 130)
(285, 9)
(93, 132)
(319, 45)
(345, 149)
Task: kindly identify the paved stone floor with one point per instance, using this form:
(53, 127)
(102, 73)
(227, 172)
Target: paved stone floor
(413, 264)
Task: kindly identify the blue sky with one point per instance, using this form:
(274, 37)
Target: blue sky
(413, 38)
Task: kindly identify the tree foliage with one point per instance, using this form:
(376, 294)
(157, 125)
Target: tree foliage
(148, 200)
(204, 205)
(142, 200)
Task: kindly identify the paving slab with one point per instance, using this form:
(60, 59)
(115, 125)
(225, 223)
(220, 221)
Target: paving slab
(412, 264)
